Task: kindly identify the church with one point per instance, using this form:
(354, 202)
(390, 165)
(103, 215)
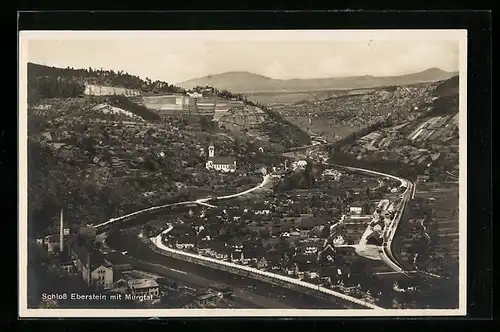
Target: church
(225, 164)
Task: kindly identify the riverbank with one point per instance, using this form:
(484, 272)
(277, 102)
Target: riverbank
(260, 293)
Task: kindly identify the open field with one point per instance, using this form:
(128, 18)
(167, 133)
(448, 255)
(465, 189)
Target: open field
(354, 230)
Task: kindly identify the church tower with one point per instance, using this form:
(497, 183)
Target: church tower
(211, 150)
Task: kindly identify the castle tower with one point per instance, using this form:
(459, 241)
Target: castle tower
(211, 150)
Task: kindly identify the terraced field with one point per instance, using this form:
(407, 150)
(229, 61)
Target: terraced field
(241, 119)
(323, 127)
(444, 202)
(440, 205)
(435, 128)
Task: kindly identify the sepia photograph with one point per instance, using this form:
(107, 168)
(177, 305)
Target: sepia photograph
(242, 173)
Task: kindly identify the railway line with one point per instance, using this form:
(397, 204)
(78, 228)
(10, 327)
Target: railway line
(387, 249)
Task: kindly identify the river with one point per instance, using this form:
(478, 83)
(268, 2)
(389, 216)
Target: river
(254, 292)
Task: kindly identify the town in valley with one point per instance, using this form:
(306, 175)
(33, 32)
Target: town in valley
(240, 189)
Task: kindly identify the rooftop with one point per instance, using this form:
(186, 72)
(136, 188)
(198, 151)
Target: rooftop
(143, 283)
(222, 160)
(122, 267)
(82, 251)
(207, 296)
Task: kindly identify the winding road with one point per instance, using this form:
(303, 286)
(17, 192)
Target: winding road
(201, 201)
(389, 230)
(266, 178)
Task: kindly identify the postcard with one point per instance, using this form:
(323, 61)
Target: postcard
(242, 173)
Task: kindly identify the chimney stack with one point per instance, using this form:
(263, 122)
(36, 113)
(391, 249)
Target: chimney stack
(89, 272)
(61, 232)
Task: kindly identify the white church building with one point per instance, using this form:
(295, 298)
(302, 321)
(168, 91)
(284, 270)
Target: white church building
(224, 164)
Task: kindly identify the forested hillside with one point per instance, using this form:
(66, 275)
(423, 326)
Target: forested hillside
(53, 82)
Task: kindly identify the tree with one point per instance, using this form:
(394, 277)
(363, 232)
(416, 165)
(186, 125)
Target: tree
(366, 208)
(358, 266)
(325, 232)
(264, 233)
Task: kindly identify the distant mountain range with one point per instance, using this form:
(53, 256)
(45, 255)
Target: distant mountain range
(245, 82)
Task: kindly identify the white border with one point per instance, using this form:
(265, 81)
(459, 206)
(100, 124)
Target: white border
(260, 35)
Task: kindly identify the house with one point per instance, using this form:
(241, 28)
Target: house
(185, 242)
(333, 273)
(144, 287)
(262, 263)
(422, 178)
(195, 94)
(355, 210)
(208, 299)
(327, 254)
(120, 286)
(47, 136)
(236, 256)
(51, 242)
(65, 261)
(225, 164)
(203, 248)
(208, 90)
(102, 276)
(308, 275)
(301, 164)
(338, 240)
(236, 253)
(91, 265)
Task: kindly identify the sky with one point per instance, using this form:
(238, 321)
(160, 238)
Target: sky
(178, 59)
